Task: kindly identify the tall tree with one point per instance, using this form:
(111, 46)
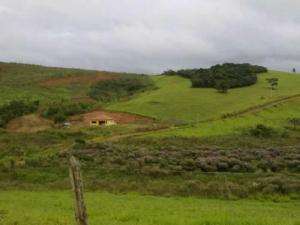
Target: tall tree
(273, 82)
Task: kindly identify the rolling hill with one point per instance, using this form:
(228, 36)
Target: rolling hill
(275, 116)
(203, 112)
(197, 111)
(175, 100)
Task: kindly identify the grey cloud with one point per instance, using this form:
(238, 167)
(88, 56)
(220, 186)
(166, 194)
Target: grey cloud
(150, 36)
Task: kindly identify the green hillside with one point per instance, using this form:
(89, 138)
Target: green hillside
(203, 111)
(34, 82)
(176, 101)
(275, 116)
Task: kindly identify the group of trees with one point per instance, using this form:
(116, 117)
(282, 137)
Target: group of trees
(111, 90)
(222, 77)
(59, 111)
(15, 109)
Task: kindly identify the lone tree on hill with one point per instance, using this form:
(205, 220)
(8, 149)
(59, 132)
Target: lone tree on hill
(273, 82)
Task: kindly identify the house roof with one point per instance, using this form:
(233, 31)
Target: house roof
(96, 115)
(100, 117)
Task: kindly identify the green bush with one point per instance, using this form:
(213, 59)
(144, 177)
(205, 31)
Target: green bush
(262, 131)
(59, 111)
(154, 171)
(16, 109)
(113, 90)
(79, 143)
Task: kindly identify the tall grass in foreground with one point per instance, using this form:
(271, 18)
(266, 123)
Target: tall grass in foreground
(56, 208)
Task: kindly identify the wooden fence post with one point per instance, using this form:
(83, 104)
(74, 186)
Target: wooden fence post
(77, 184)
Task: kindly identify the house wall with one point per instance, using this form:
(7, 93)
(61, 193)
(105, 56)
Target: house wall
(99, 123)
(110, 122)
(94, 123)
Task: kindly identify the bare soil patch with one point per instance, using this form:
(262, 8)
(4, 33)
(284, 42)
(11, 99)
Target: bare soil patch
(29, 124)
(119, 117)
(78, 79)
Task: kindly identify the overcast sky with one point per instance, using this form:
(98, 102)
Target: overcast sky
(150, 35)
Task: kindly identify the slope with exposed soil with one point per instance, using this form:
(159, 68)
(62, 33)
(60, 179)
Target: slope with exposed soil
(78, 79)
(119, 117)
(29, 124)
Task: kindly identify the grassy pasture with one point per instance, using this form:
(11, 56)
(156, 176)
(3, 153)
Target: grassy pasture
(56, 208)
(275, 116)
(175, 100)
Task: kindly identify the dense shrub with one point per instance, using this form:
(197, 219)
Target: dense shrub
(157, 166)
(222, 77)
(262, 131)
(111, 90)
(166, 158)
(60, 111)
(15, 109)
(154, 171)
(279, 184)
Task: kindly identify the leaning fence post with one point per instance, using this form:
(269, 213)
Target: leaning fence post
(77, 184)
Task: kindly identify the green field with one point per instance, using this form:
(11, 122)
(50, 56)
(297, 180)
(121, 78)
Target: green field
(56, 208)
(175, 100)
(275, 116)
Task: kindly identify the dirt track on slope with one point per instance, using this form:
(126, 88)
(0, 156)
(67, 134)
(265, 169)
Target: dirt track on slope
(263, 106)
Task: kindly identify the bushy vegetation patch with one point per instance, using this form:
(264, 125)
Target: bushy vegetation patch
(170, 166)
(222, 77)
(262, 131)
(15, 109)
(164, 159)
(59, 111)
(294, 122)
(115, 89)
